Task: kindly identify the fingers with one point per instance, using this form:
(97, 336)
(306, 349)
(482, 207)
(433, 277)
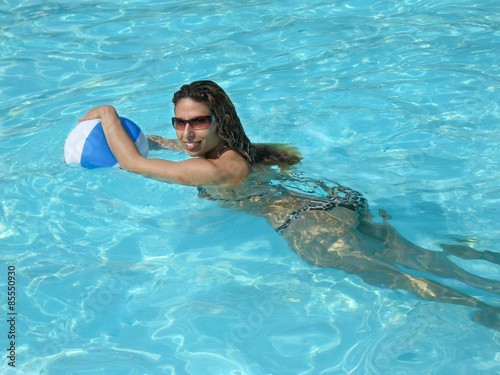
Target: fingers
(90, 115)
(85, 118)
(98, 113)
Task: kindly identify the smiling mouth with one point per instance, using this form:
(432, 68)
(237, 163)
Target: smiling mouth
(191, 145)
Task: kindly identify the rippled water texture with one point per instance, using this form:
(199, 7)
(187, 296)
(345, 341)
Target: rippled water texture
(117, 274)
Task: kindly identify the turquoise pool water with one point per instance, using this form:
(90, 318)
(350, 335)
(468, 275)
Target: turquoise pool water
(118, 274)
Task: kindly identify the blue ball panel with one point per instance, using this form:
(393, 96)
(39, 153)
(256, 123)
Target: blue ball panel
(96, 152)
(131, 128)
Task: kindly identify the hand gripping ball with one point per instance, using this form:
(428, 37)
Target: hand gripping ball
(87, 145)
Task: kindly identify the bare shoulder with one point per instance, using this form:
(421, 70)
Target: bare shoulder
(233, 165)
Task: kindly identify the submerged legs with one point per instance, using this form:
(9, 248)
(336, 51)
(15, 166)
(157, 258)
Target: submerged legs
(399, 250)
(375, 252)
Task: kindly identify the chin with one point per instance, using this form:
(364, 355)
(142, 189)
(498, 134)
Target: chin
(195, 153)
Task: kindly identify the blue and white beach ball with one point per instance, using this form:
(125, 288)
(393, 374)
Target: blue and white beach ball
(87, 145)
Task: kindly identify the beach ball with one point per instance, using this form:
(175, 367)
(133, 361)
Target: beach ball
(86, 144)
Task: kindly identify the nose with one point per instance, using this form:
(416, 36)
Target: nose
(188, 131)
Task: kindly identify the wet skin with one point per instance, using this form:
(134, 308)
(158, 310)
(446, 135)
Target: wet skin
(352, 242)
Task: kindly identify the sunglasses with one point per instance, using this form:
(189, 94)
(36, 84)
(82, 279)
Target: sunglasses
(197, 123)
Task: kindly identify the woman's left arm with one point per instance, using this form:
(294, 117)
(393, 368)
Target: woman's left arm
(157, 143)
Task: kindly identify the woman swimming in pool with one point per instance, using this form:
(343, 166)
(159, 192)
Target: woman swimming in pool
(333, 229)
(207, 127)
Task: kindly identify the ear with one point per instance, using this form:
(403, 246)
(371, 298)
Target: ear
(227, 118)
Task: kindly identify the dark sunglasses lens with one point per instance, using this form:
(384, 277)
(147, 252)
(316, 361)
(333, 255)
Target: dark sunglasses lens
(178, 124)
(202, 122)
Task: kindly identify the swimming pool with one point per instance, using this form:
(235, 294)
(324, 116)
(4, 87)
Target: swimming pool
(118, 274)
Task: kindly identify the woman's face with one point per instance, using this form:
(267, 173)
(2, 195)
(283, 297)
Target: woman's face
(196, 142)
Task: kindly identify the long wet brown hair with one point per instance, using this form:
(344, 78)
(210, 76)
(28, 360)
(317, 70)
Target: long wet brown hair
(229, 126)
